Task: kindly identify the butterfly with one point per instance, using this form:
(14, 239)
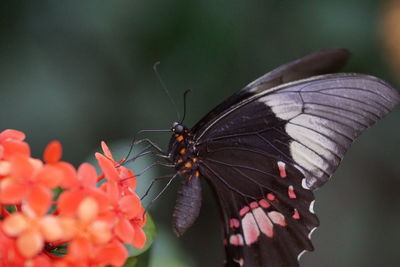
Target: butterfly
(265, 149)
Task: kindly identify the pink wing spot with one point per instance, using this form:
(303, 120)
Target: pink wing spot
(263, 203)
(277, 218)
(239, 261)
(291, 192)
(296, 214)
(244, 210)
(282, 169)
(271, 196)
(234, 223)
(236, 240)
(253, 205)
(264, 222)
(250, 229)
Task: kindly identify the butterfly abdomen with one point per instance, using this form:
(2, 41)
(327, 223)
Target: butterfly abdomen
(188, 203)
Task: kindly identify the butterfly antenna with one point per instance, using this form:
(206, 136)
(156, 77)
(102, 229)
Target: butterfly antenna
(184, 104)
(155, 66)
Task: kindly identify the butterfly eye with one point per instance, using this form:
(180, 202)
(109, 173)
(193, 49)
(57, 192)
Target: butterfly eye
(178, 128)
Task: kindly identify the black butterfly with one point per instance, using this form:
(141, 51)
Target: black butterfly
(266, 148)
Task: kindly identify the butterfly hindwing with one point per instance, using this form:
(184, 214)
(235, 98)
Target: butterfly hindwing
(267, 221)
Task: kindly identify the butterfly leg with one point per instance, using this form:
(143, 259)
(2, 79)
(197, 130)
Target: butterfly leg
(171, 178)
(158, 163)
(150, 145)
(163, 190)
(153, 182)
(144, 152)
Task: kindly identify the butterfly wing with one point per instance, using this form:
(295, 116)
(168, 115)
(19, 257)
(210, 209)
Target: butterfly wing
(309, 123)
(278, 145)
(265, 210)
(320, 62)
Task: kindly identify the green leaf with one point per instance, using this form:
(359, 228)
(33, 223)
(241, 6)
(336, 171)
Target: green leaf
(11, 208)
(60, 250)
(150, 231)
(167, 251)
(131, 262)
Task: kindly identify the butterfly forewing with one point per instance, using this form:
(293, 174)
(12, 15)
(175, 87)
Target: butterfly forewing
(320, 62)
(309, 123)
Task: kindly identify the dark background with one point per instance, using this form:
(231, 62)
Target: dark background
(81, 72)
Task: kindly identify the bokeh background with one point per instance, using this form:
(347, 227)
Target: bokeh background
(81, 72)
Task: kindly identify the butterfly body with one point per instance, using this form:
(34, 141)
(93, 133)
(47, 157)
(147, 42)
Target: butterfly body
(266, 148)
(186, 161)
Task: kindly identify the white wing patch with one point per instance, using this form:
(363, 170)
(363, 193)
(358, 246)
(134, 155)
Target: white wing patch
(264, 223)
(250, 228)
(325, 116)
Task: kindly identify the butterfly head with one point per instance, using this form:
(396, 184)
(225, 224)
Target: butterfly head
(178, 128)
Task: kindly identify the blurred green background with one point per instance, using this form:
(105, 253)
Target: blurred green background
(81, 72)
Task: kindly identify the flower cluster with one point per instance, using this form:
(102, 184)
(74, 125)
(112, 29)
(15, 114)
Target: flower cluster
(55, 215)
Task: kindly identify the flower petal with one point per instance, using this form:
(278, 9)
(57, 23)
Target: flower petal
(87, 175)
(102, 199)
(139, 240)
(11, 134)
(124, 230)
(41, 260)
(51, 228)
(69, 228)
(39, 199)
(12, 192)
(114, 254)
(30, 243)
(128, 177)
(111, 189)
(53, 152)
(106, 150)
(68, 202)
(130, 205)
(15, 224)
(13, 147)
(22, 168)
(100, 232)
(9, 255)
(79, 249)
(69, 180)
(5, 167)
(88, 210)
(107, 167)
(49, 176)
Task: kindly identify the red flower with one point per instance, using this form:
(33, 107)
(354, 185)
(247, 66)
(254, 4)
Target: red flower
(31, 232)
(11, 144)
(126, 178)
(69, 200)
(94, 221)
(52, 156)
(25, 183)
(126, 204)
